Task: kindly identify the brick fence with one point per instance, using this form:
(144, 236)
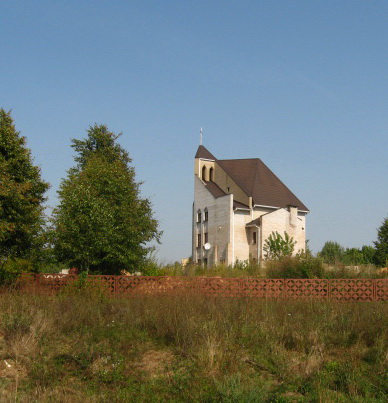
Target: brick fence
(336, 289)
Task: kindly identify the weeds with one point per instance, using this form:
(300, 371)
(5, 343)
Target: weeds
(86, 347)
(302, 265)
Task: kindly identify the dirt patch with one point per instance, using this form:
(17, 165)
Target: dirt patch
(11, 370)
(155, 363)
(102, 364)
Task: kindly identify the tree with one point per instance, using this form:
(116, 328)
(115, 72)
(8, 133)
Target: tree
(21, 194)
(276, 247)
(353, 256)
(381, 245)
(332, 252)
(368, 253)
(102, 225)
(100, 141)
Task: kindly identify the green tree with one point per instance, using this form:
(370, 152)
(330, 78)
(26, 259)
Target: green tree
(21, 194)
(368, 253)
(353, 256)
(332, 252)
(381, 245)
(276, 247)
(100, 141)
(102, 225)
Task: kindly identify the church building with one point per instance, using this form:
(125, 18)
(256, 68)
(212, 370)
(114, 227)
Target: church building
(237, 205)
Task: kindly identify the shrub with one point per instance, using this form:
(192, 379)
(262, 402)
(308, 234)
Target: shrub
(300, 266)
(276, 247)
(10, 269)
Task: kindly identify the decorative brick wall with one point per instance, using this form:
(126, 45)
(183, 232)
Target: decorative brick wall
(334, 289)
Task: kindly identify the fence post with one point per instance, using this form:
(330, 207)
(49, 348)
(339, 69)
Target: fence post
(374, 290)
(329, 288)
(115, 285)
(37, 282)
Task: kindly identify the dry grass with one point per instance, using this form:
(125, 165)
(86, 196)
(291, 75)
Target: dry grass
(300, 266)
(74, 348)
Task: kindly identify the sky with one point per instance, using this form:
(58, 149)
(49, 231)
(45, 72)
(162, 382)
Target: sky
(302, 85)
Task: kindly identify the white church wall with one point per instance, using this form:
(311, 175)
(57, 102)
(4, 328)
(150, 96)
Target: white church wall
(241, 241)
(282, 221)
(218, 225)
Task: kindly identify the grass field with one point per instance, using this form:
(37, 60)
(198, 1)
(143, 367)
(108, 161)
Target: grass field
(82, 347)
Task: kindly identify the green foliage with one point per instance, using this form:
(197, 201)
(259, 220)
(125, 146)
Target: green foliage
(358, 256)
(11, 268)
(381, 256)
(21, 193)
(368, 254)
(332, 252)
(300, 266)
(276, 247)
(102, 224)
(100, 141)
(352, 256)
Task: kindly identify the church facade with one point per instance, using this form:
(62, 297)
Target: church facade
(237, 205)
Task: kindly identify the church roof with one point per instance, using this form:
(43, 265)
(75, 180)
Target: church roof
(203, 152)
(260, 183)
(255, 179)
(253, 223)
(216, 191)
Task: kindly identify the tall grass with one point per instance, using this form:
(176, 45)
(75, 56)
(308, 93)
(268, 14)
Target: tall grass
(300, 266)
(85, 347)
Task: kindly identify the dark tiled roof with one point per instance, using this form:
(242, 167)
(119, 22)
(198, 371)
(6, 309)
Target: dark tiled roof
(253, 222)
(260, 183)
(237, 204)
(255, 179)
(214, 189)
(202, 152)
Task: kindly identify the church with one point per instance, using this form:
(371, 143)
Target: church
(237, 205)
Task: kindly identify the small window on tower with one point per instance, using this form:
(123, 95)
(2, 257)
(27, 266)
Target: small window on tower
(204, 173)
(199, 216)
(211, 174)
(254, 238)
(199, 239)
(206, 215)
(206, 237)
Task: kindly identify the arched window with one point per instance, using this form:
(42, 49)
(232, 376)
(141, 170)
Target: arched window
(211, 174)
(204, 173)
(199, 216)
(206, 217)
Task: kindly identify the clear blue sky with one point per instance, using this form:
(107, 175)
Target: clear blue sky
(303, 85)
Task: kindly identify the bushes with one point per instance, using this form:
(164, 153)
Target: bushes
(10, 269)
(300, 266)
(304, 266)
(276, 247)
